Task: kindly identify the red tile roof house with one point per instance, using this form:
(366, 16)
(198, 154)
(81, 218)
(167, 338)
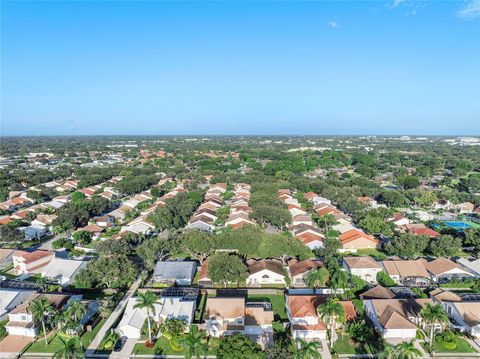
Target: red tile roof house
(298, 270)
(421, 230)
(31, 262)
(305, 322)
(310, 236)
(355, 239)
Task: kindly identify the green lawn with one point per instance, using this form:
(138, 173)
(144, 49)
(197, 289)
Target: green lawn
(462, 347)
(162, 346)
(344, 346)
(278, 303)
(54, 345)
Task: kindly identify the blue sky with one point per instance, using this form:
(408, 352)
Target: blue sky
(397, 67)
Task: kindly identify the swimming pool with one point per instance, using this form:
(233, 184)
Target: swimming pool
(457, 224)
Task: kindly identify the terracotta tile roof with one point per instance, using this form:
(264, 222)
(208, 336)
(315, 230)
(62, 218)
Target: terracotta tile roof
(355, 234)
(310, 195)
(309, 237)
(257, 315)
(301, 306)
(444, 295)
(394, 313)
(30, 257)
(203, 273)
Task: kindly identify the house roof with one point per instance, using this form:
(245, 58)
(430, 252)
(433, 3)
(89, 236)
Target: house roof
(441, 265)
(355, 234)
(174, 269)
(299, 267)
(203, 273)
(444, 295)
(257, 314)
(265, 264)
(310, 195)
(59, 267)
(378, 292)
(404, 269)
(394, 313)
(309, 237)
(225, 307)
(469, 311)
(301, 306)
(361, 262)
(302, 227)
(30, 257)
(57, 301)
(92, 228)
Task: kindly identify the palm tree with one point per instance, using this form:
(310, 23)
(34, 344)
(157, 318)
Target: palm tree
(69, 350)
(388, 351)
(147, 301)
(307, 350)
(77, 310)
(407, 350)
(193, 343)
(433, 314)
(332, 311)
(318, 278)
(40, 309)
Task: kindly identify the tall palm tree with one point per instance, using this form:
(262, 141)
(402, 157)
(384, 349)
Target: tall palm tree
(433, 314)
(332, 311)
(307, 350)
(41, 309)
(69, 350)
(407, 350)
(147, 301)
(193, 343)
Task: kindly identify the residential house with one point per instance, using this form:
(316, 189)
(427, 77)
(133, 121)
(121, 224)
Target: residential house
(443, 269)
(408, 273)
(465, 207)
(296, 210)
(44, 220)
(355, 239)
(232, 315)
(472, 265)
(299, 270)
(302, 219)
(237, 220)
(31, 262)
(168, 307)
(174, 272)
(315, 198)
(93, 229)
(419, 229)
(364, 267)
(398, 220)
(6, 256)
(62, 271)
(20, 319)
(305, 322)
(396, 319)
(11, 298)
(33, 232)
(105, 221)
(265, 272)
(204, 279)
(139, 225)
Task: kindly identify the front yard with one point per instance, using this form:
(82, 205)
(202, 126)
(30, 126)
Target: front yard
(54, 344)
(346, 345)
(162, 346)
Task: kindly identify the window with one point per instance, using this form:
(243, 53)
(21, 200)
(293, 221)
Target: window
(265, 276)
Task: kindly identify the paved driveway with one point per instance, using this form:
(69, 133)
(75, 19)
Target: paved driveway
(11, 345)
(126, 350)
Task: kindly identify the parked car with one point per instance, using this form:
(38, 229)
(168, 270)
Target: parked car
(119, 344)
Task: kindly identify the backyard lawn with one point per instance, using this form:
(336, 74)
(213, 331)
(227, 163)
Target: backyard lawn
(277, 301)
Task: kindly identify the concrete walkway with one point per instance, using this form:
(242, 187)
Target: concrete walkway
(112, 318)
(325, 351)
(419, 347)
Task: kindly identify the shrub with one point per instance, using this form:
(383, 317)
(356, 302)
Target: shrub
(59, 243)
(385, 280)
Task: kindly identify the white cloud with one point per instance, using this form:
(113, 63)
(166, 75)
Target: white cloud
(334, 24)
(470, 9)
(397, 2)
